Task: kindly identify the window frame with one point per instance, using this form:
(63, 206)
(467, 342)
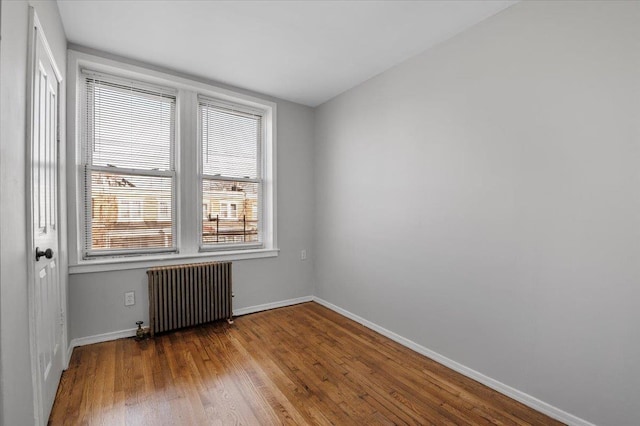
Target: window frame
(86, 160)
(260, 166)
(187, 184)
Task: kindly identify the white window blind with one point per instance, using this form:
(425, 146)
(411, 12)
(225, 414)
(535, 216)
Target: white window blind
(231, 139)
(128, 147)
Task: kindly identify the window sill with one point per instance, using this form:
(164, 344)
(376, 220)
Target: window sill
(141, 262)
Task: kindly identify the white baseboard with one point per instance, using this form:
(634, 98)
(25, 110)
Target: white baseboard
(272, 305)
(520, 396)
(114, 335)
(69, 353)
(99, 338)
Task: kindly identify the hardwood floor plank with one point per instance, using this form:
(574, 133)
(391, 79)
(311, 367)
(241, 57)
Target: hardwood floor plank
(303, 364)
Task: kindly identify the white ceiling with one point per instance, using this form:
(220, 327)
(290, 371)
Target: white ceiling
(303, 51)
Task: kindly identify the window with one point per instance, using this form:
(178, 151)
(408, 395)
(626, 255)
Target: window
(168, 170)
(128, 166)
(130, 210)
(230, 145)
(164, 210)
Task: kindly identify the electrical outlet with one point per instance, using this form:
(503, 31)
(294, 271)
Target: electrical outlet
(303, 254)
(129, 298)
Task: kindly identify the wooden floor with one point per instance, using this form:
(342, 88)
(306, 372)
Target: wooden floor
(302, 364)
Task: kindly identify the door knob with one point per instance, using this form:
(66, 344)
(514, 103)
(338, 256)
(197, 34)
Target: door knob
(48, 253)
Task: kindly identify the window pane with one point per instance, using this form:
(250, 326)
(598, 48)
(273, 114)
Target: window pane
(229, 142)
(129, 127)
(230, 212)
(130, 212)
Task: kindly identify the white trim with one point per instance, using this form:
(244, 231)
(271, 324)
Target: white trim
(272, 305)
(113, 79)
(507, 390)
(69, 353)
(99, 338)
(145, 261)
(115, 335)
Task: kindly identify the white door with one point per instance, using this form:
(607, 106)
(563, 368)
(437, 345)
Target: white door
(45, 294)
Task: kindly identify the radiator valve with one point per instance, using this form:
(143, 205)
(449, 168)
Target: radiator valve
(140, 334)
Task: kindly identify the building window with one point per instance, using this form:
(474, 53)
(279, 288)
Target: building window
(129, 176)
(231, 184)
(129, 210)
(164, 210)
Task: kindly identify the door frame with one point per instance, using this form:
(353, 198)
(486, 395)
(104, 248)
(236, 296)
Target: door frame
(35, 32)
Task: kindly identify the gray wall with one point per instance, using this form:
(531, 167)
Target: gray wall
(17, 390)
(483, 200)
(96, 300)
